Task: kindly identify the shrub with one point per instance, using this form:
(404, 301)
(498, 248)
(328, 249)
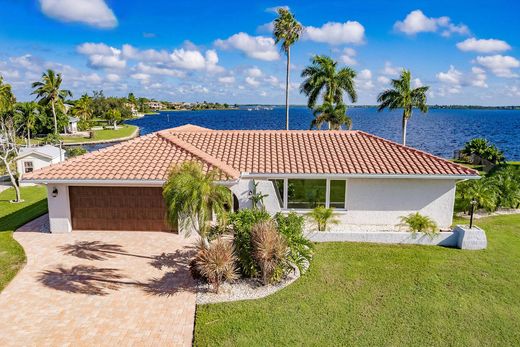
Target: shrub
(52, 139)
(75, 151)
(507, 185)
(215, 262)
(322, 217)
(300, 249)
(241, 223)
(416, 222)
(269, 250)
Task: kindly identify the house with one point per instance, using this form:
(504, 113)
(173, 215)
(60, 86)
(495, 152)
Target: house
(155, 105)
(34, 158)
(370, 181)
(132, 108)
(72, 126)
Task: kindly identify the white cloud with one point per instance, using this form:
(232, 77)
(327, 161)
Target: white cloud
(417, 83)
(227, 79)
(112, 77)
(383, 80)
(417, 22)
(160, 71)
(347, 56)
(102, 56)
(257, 47)
(479, 77)
(194, 60)
(265, 28)
(483, 46)
(452, 76)
(254, 72)
(141, 77)
(336, 33)
(92, 12)
(391, 70)
(500, 65)
(252, 81)
(276, 8)
(364, 79)
(365, 74)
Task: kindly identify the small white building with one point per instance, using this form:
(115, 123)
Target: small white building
(34, 158)
(369, 181)
(72, 126)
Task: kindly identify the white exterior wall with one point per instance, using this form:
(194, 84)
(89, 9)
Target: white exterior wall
(59, 209)
(244, 186)
(37, 160)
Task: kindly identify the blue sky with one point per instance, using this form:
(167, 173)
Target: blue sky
(466, 51)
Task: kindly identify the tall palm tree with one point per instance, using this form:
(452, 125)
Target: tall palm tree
(333, 114)
(323, 77)
(27, 114)
(286, 30)
(83, 108)
(7, 98)
(49, 92)
(402, 95)
(191, 196)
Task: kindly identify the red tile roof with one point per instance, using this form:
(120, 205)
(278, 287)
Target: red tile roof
(233, 152)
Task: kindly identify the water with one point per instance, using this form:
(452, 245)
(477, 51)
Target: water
(439, 131)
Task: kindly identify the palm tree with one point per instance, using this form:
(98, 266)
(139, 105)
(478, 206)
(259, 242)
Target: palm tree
(83, 108)
(7, 98)
(191, 196)
(483, 191)
(323, 77)
(286, 30)
(27, 114)
(333, 114)
(322, 217)
(403, 96)
(49, 92)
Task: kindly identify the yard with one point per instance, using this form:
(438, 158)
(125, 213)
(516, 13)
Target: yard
(13, 216)
(124, 130)
(369, 294)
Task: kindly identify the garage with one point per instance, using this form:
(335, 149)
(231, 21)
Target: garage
(117, 208)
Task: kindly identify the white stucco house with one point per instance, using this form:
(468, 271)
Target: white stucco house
(371, 182)
(34, 158)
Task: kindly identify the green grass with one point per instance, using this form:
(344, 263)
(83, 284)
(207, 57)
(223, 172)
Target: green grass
(124, 130)
(12, 216)
(385, 295)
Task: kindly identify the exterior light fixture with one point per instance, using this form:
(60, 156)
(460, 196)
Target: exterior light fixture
(472, 209)
(54, 192)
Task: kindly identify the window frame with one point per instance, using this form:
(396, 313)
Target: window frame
(327, 192)
(25, 168)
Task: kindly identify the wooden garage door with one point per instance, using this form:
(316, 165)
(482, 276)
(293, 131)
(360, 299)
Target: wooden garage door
(117, 208)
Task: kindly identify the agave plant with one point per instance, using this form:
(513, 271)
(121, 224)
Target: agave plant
(269, 249)
(418, 223)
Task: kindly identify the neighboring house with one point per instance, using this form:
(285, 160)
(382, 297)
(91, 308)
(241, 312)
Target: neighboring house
(72, 126)
(155, 105)
(132, 108)
(370, 181)
(33, 158)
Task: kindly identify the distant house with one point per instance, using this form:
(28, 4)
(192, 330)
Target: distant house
(72, 126)
(34, 158)
(155, 105)
(371, 182)
(132, 108)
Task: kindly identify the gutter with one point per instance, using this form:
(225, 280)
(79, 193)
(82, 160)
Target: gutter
(247, 175)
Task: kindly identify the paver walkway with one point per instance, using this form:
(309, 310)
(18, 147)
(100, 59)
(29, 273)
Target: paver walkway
(100, 289)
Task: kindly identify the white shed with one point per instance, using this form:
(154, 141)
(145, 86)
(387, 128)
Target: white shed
(34, 158)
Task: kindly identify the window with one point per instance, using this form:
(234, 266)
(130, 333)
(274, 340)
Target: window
(337, 194)
(28, 166)
(306, 194)
(279, 187)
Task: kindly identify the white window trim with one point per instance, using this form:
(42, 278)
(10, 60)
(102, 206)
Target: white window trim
(327, 194)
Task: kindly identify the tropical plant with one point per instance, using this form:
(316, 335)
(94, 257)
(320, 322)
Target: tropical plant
(191, 196)
(322, 217)
(215, 261)
(113, 115)
(257, 198)
(402, 95)
(483, 149)
(269, 250)
(49, 93)
(300, 249)
(27, 113)
(418, 223)
(323, 77)
(332, 114)
(507, 184)
(494, 155)
(84, 111)
(75, 151)
(287, 30)
(482, 191)
(241, 223)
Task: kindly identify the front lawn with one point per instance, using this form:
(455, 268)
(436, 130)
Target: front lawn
(380, 295)
(124, 130)
(12, 216)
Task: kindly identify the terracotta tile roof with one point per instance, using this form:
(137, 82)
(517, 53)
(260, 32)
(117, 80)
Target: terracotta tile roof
(233, 152)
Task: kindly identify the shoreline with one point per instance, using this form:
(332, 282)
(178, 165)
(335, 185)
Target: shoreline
(135, 134)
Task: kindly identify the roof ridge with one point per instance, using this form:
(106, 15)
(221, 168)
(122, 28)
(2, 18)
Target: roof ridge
(227, 169)
(263, 131)
(412, 149)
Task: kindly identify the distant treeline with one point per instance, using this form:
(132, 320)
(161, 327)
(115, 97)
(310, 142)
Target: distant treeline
(453, 107)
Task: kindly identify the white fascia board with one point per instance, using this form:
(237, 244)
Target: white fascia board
(345, 176)
(122, 183)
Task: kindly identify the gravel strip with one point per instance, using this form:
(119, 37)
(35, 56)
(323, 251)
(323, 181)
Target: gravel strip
(242, 289)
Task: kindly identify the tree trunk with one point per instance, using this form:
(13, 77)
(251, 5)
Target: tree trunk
(287, 89)
(13, 181)
(55, 119)
(405, 123)
(28, 137)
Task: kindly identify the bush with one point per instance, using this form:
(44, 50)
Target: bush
(416, 222)
(75, 151)
(269, 250)
(300, 249)
(322, 217)
(241, 223)
(215, 262)
(52, 139)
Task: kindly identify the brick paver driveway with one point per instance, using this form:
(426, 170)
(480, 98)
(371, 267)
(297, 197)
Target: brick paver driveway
(100, 288)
